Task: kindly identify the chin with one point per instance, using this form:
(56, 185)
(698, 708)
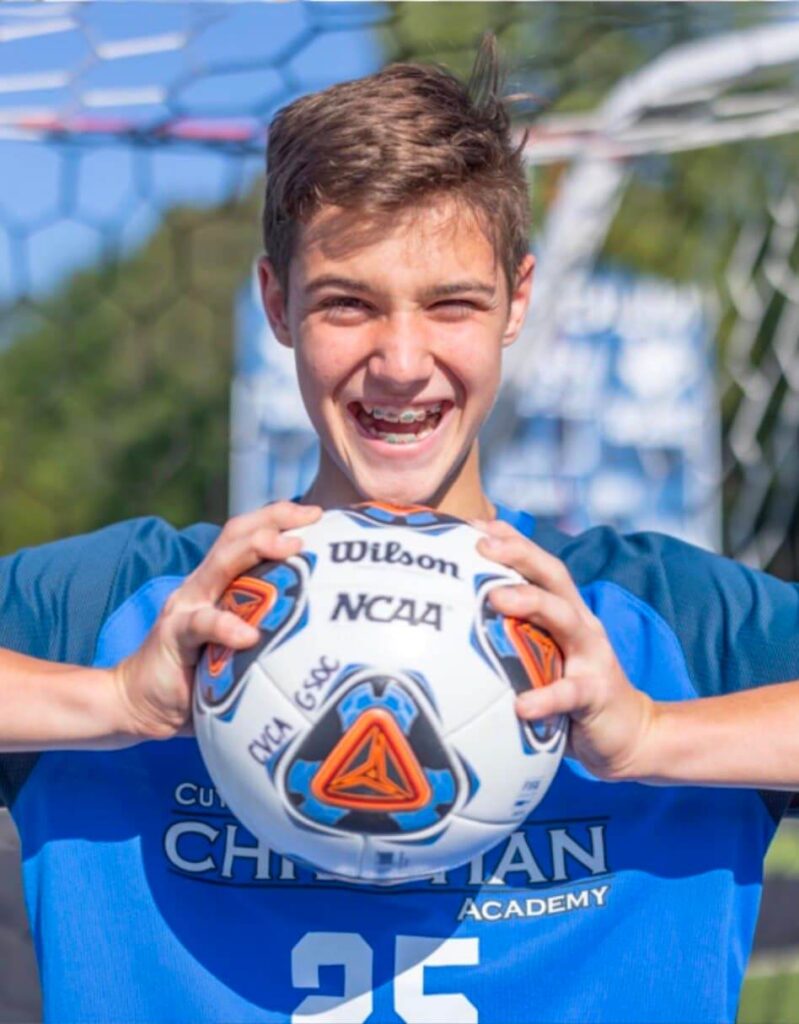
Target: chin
(404, 489)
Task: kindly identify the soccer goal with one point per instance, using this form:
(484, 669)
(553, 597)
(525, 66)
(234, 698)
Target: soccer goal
(726, 93)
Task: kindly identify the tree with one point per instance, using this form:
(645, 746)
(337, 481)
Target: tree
(115, 403)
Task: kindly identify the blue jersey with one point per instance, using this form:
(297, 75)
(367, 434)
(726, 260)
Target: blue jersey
(620, 902)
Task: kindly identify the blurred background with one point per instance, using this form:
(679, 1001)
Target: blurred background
(657, 382)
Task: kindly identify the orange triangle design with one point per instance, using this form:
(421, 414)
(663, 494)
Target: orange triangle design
(538, 652)
(372, 768)
(248, 597)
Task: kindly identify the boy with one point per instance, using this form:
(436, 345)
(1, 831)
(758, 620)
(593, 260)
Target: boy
(396, 230)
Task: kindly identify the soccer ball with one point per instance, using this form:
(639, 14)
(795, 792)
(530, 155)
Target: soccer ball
(371, 732)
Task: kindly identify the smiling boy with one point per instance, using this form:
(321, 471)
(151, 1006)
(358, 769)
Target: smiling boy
(398, 343)
(396, 229)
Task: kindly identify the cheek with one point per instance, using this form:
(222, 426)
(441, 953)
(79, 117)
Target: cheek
(322, 368)
(479, 368)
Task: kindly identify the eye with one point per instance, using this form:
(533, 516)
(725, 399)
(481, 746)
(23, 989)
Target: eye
(346, 301)
(343, 306)
(455, 309)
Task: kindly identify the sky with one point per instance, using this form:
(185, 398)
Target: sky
(225, 65)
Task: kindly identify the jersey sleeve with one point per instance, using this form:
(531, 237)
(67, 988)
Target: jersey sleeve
(53, 598)
(738, 628)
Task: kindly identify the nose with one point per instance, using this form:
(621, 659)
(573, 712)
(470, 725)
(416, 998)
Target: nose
(402, 357)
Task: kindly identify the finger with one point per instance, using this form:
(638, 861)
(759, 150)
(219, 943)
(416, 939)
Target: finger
(535, 564)
(208, 625)
(499, 528)
(280, 515)
(228, 559)
(564, 697)
(244, 541)
(534, 604)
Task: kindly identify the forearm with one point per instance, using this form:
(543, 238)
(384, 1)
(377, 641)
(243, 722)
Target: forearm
(44, 705)
(742, 739)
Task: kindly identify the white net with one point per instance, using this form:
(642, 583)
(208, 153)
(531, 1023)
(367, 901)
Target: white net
(132, 148)
(762, 387)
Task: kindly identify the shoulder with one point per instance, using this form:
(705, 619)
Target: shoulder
(737, 627)
(149, 534)
(55, 597)
(148, 545)
(152, 547)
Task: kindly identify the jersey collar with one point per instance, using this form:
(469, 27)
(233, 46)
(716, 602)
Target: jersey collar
(522, 521)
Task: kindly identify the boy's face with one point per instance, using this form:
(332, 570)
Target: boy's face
(398, 328)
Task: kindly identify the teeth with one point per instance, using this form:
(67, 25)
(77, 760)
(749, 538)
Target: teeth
(403, 438)
(402, 415)
(421, 417)
(391, 438)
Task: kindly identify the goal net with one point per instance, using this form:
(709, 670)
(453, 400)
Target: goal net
(132, 147)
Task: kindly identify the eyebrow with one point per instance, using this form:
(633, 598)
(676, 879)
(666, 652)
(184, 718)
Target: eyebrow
(456, 287)
(348, 284)
(436, 291)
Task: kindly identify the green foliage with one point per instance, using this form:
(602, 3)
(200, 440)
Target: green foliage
(772, 999)
(783, 854)
(115, 403)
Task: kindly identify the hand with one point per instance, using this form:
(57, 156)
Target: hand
(154, 685)
(610, 718)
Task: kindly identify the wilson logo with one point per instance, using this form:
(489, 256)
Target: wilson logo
(387, 608)
(389, 553)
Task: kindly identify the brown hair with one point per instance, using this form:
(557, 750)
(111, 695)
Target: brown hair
(394, 139)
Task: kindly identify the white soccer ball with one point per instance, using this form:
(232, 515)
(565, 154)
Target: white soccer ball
(371, 732)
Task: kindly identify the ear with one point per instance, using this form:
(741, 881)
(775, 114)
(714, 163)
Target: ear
(274, 301)
(519, 299)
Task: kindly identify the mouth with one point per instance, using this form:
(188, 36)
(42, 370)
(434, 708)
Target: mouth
(404, 425)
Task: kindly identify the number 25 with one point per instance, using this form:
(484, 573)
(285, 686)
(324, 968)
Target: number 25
(414, 953)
